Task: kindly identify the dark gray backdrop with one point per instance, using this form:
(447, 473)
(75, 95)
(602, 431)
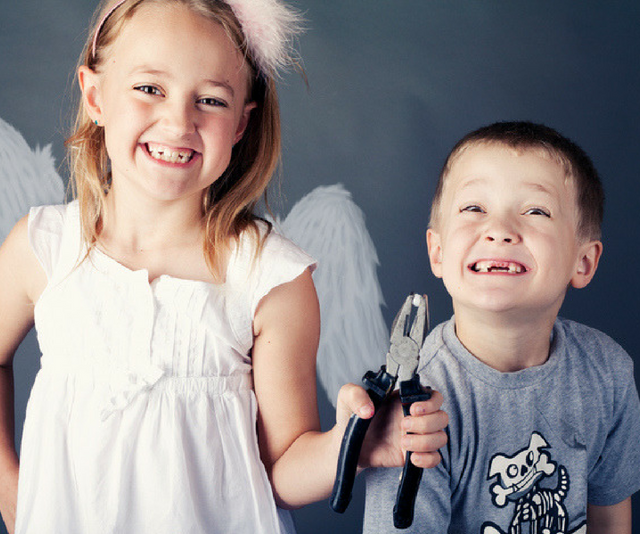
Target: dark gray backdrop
(392, 86)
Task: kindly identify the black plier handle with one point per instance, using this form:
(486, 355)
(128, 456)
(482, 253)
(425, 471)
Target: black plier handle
(408, 332)
(410, 391)
(379, 386)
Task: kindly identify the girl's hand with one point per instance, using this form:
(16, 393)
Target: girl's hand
(391, 434)
(9, 496)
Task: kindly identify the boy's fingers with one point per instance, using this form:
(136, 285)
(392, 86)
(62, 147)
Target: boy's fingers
(425, 407)
(426, 460)
(424, 424)
(424, 443)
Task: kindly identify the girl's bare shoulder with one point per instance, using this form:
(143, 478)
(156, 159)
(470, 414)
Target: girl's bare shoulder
(20, 270)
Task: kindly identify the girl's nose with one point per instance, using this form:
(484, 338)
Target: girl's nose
(179, 119)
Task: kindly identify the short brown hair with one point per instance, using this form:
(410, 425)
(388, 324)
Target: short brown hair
(529, 135)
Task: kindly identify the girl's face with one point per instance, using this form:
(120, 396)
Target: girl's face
(171, 96)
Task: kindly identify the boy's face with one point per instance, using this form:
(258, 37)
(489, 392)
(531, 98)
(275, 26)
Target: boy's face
(506, 238)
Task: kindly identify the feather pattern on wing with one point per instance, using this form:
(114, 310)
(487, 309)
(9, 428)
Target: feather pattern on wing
(27, 178)
(327, 224)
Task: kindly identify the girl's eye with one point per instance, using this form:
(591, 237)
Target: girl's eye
(473, 208)
(148, 89)
(537, 211)
(215, 102)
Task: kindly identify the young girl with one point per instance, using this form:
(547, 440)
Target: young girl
(177, 382)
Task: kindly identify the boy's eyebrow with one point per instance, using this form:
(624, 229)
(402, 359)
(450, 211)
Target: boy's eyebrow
(159, 72)
(471, 182)
(535, 186)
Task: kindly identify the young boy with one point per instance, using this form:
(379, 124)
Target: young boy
(544, 414)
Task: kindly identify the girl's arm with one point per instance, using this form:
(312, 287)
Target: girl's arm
(614, 519)
(300, 460)
(21, 278)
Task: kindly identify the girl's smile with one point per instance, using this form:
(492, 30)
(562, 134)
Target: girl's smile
(175, 156)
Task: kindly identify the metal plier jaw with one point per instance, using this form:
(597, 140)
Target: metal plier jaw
(407, 335)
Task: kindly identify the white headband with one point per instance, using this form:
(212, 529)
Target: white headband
(269, 26)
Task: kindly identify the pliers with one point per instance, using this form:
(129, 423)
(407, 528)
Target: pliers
(408, 332)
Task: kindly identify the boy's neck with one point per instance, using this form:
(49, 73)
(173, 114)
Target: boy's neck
(506, 344)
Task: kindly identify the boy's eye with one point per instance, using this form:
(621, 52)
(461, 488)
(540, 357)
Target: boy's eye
(537, 211)
(473, 208)
(148, 89)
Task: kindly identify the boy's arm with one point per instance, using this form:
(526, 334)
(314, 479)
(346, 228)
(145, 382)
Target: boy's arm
(20, 277)
(614, 519)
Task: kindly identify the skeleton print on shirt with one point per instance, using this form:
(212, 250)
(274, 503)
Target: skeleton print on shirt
(537, 510)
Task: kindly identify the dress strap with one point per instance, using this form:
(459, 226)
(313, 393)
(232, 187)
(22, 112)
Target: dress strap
(55, 237)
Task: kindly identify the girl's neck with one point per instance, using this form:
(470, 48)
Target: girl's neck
(162, 238)
(505, 343)
(133, 224)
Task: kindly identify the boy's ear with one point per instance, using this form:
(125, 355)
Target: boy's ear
(244, 121)
(588, 258)
(91, 96)
(434, 246)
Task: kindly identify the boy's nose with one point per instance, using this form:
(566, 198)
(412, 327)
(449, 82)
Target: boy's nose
(502, 231)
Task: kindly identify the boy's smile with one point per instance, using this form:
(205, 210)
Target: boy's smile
(506, 238)
(497, 267)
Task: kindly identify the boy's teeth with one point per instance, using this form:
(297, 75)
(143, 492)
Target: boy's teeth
(497, 266)
(170, 156)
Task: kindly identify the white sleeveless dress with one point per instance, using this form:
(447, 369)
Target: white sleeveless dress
(142, 418)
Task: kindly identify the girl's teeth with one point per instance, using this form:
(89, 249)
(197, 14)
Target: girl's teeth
(171, 156)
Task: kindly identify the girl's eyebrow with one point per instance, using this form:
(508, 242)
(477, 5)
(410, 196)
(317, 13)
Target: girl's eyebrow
(164, 74)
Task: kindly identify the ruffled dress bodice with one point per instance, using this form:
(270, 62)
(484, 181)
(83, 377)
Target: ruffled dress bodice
(142, 417)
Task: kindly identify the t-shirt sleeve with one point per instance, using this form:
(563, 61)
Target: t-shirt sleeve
(616, 473)
(45, 226)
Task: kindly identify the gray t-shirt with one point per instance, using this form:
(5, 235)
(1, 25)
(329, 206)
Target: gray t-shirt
(526, 449)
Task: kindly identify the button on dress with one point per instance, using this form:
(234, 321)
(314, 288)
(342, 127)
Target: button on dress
(142, 417)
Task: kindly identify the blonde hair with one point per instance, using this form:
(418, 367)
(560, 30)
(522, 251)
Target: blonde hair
(229, 204)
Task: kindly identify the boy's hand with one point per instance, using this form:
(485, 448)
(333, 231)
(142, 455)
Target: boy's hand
(387, 439)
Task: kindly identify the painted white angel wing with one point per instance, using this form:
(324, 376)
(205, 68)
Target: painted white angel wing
(327, 224)
(27, 178)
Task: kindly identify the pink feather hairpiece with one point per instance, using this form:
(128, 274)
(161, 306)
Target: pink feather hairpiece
(269, 26)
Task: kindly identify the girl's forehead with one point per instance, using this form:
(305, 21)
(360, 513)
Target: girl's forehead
(177, 38)
(154, 22)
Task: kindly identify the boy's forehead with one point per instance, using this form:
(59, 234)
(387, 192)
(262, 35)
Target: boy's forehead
(476, 161)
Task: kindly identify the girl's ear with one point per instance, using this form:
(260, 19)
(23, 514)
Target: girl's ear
(588, 258)
(91, 96)
(244, 121)
(434, 246)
